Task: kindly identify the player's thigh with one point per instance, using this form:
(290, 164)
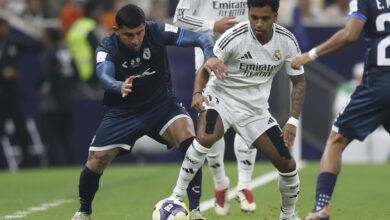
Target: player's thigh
(362, 115)
(181, 129)
(271, 144)
(210, 127)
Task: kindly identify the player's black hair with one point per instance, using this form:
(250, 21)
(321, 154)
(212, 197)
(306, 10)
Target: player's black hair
(130, 16)
(274, 4)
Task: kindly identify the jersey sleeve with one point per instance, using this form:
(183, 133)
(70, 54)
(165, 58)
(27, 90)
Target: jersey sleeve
(293, 52)
(184, 17)
(164, 34)
(358, 9)
(102, 55)
(105, 70)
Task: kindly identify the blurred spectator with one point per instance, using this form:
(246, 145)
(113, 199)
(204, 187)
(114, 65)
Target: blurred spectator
(376, 146)
(309, 13)
(10, 94)
(56, 85)
(337, 12)
(34, 11)
(72, 11)
(108, 18)
(82, 39)
(158, 12)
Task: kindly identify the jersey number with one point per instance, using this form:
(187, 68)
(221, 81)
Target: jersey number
(384, 43)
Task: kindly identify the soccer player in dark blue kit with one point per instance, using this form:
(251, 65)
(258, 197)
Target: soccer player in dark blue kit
(132, 67)
(369, 106)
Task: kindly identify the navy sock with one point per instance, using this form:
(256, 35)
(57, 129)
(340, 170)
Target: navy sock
(88, 186)
(325, 185)
(194, 190)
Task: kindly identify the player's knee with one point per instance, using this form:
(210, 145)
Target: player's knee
(98, 161)
(206, 140)
(338, 141)
(286, 166)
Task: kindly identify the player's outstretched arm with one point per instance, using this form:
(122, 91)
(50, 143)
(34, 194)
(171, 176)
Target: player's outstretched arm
(106, 74)
(200, 82)
(216, 66)
(344, 37)
(297, 100)
(204, 41)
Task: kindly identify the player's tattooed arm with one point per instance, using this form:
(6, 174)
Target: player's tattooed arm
(297, 99)
(297, 95)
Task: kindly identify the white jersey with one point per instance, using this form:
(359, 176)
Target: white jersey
(251, 67)
(200, 16)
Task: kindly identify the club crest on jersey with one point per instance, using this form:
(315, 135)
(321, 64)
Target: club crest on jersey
(277, 55)
(147, 54)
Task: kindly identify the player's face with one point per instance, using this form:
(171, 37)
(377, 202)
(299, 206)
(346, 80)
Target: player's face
(131, 37)
(261, 20)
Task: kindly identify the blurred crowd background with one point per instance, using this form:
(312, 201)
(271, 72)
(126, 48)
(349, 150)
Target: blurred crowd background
(49, 95)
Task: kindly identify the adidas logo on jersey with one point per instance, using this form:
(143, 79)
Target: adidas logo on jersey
(247, 55)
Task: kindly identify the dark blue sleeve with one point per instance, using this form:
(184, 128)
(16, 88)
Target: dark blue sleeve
(358, 9)
(172, 35)
(106, 74)
(194, 39)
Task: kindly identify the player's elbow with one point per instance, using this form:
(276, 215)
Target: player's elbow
(350, 36)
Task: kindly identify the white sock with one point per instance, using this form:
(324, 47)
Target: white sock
(193, 160)
(216, 165)
(246, 159)
(289, 190)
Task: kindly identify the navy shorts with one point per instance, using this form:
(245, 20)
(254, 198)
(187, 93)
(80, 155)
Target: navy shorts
(368, 108)
(121, 129)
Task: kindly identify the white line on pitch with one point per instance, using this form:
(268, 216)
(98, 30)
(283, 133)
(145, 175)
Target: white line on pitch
(259, 181)
(41, 207)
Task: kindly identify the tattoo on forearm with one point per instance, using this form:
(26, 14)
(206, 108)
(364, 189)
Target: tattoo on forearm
(298, 96)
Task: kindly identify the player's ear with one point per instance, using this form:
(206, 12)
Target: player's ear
(115, 28)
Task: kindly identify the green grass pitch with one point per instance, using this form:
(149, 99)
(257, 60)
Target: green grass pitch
(129, 192)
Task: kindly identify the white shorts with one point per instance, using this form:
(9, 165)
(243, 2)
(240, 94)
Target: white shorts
(249, 127)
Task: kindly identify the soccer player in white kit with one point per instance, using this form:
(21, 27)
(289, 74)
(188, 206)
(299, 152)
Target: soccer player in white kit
(214, 18)
(254, 52)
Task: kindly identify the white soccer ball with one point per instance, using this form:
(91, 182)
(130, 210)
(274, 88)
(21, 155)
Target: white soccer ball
(170, 209)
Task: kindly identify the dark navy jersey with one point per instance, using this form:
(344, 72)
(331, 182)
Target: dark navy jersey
(376, 15)
(149, 65)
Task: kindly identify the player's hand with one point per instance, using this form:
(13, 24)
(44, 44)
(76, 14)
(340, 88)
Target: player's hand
(289, 133)
(225, 23)
(301, 60)
(198, 102)
(216, 66)
(126, 86)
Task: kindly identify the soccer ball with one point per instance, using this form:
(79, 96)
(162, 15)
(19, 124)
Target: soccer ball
(170, 209)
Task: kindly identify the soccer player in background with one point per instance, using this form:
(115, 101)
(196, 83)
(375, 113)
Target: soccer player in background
(369, 106)
(214, 18)
(254, 52)
(132, 67)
